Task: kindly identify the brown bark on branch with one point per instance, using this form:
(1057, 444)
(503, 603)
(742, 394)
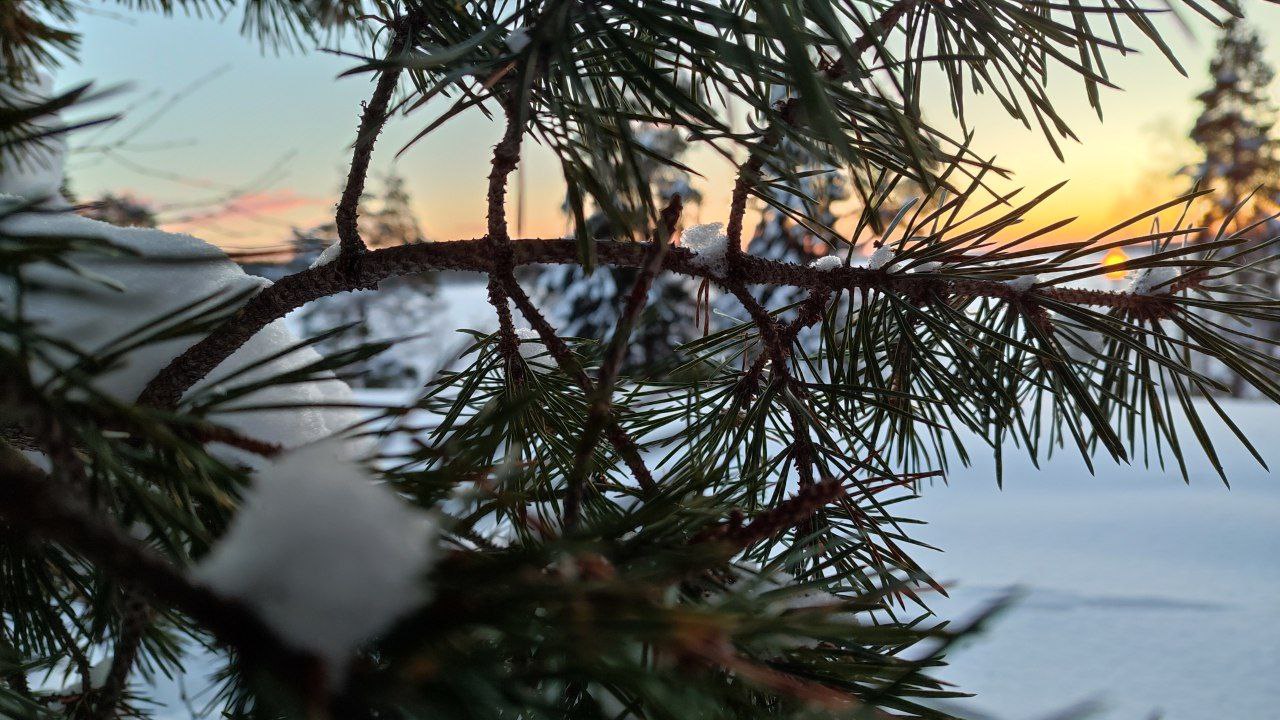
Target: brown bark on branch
(371, 121)
(506, 157)
(600, 407)
(563, 356)
(292, 292)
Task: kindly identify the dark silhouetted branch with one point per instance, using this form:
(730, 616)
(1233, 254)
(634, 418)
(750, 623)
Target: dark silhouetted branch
(371, 122)
(294, 291)
(33, 506)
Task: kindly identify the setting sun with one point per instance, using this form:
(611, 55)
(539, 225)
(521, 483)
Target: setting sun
(1115, 256)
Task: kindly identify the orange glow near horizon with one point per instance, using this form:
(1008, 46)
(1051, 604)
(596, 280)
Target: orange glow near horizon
(1115, 256)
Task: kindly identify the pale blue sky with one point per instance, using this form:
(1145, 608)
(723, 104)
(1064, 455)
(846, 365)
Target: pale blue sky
(263, 106)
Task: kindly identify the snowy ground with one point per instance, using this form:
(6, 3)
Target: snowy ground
(1141, 592)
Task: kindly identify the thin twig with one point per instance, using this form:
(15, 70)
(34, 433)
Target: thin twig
(878, 27)
(788, 110)
(506, 157)
(136, 619)
(794, 511)
(563, 356)
(372, 120)
(779, 354)
(599, 409)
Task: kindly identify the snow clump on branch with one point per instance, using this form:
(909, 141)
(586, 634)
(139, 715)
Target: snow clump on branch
(1154, 280)
(881, 258)
(1023, 283)
(326, 557)
(826, 263)
(517, 40)
(330, 254)
(709, 243)
(532, 349)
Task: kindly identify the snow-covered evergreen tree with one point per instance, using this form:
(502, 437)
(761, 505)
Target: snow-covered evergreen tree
(1235, 131)
(588, 306)
(1240, 162)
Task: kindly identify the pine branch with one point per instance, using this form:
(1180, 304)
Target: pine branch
(599, 409)
(563, 356)
(794, 512)
(956, 348)
(871, 37)
(506, 156)
(33, 505)
(779, 352)
(294, 291)
(372, 120)
(135, 621)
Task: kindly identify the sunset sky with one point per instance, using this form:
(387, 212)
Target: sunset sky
(278, 126)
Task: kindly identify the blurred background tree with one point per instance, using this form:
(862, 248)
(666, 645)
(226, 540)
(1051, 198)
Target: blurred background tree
(1240, 160)
(587, 305)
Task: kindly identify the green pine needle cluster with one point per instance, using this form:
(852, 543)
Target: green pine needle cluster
(731, 539)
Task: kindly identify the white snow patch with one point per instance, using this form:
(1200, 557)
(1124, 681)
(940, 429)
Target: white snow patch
(881, 258)
(1145, 281)
(330, 254)
(785, 597)
(154, 276)
(927, 267)
(788, 597)
(98, 674)
(58, 698)
(517, 40)
(327, 558)
(1023, 283)
(827, 262)
(709, 242)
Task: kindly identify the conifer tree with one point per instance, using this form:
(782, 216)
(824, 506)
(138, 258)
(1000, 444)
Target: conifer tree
(543, 535)
(120, 209)
(1240, 162)
(1235, 130)
(587, 306)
